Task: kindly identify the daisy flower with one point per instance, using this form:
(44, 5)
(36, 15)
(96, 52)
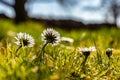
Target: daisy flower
(67, 39)
(90, 49)
(86, 51)
(51, 36)
(23, 39)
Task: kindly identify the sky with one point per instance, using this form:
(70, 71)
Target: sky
(51, 9)
(55, 11)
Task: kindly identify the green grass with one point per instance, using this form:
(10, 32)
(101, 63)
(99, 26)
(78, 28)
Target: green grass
(63, 62)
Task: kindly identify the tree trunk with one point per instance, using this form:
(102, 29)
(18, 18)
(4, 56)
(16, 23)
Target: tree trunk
(21, 13)
(115, 12)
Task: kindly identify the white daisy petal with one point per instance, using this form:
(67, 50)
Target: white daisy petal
(67, 39)
(90, 49)
(109, 49)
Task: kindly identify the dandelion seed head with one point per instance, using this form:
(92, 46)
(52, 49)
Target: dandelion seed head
(24, 39)
(51, 36)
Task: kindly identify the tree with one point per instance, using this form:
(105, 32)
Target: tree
(20, 12)
(113, 9)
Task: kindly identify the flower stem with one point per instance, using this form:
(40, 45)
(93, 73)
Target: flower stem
(41, 54)
(83, 63)
(17, 51)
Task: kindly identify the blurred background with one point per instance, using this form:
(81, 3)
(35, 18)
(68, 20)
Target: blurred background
(66, 14)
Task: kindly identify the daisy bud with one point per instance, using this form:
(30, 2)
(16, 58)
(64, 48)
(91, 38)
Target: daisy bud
(109, 52)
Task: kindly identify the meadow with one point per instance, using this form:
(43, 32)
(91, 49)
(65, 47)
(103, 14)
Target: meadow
(62, 62)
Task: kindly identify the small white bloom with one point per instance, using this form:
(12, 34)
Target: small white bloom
(109, 49)
(90, 49)
(67, 39)
(24, 39)
(109, 52)
(51, 36)
(84, 49)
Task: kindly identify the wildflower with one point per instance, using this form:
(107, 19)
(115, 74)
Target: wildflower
(109, 52)
(24, 39)
(86, 51)
(67, 39)
(51, 36)
(92, 48)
